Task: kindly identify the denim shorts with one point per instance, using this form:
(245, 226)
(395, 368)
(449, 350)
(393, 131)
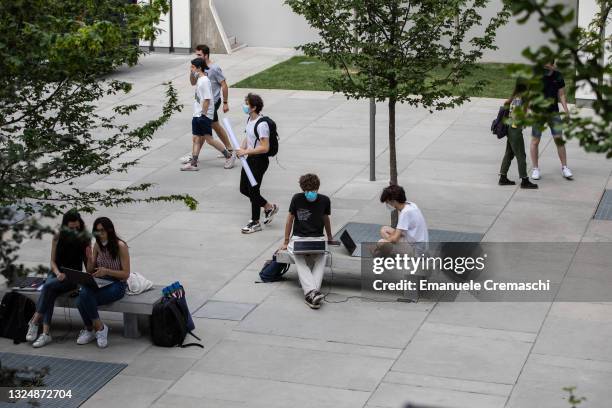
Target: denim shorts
(555, 124)
(201, 126)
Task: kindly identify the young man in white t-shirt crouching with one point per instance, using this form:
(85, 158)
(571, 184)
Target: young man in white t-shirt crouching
(411, 226)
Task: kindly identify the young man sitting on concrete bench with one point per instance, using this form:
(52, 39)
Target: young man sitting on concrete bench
(411, 227)
(308, 215)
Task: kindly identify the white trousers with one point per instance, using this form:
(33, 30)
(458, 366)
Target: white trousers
(310, 267)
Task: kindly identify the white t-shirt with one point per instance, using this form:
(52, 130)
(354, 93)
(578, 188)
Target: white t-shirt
(412, 224)
(263, 130)
(203, 91)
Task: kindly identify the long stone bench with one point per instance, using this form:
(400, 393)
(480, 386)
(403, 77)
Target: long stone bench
(136, 309)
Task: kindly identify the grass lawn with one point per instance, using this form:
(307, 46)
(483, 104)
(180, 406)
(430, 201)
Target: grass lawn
(310, 74)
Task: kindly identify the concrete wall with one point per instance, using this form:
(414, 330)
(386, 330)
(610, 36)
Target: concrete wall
(204, 28)
(271, 23)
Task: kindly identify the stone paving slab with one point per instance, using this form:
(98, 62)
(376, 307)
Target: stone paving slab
(224, 310)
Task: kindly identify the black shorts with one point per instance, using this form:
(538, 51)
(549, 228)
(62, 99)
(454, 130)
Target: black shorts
(201, 126)
(217, 106)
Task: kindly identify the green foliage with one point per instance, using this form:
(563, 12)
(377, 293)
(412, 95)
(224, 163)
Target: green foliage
(572, 399)
(53, 55)
(576, 49)
(392, 49)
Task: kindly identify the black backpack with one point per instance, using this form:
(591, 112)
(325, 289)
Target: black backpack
(498, 127)
(273, 135)
(273, 271)
(16, 311)
(169, 324)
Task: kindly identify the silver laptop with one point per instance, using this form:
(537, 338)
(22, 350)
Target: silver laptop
(304, 247)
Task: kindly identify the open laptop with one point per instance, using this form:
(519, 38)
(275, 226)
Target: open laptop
(348, 243)
(85, 279)
(305, 247)
(366, 250)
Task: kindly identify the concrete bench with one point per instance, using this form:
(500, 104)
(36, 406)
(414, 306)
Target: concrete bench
(136, 309)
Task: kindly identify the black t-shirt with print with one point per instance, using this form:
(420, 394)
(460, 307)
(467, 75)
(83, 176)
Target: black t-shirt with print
(308, 221)
(552, 84)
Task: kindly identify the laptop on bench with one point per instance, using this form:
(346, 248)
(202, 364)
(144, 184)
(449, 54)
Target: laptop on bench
(366, 250)
(84, 278)
(348, 243)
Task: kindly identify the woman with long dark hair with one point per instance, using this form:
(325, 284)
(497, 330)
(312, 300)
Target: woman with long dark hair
(515, 144)
(110, 260)
(70, 248)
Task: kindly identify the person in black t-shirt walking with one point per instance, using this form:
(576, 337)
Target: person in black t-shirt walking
(308, 216)
(554, 90)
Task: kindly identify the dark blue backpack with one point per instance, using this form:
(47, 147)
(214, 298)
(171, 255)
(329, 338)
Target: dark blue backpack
(273, 271)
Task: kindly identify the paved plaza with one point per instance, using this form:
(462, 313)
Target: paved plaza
(263, 346)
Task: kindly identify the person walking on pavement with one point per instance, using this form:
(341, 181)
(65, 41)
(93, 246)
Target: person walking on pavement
(219, 89)
(554, 89)
(515, 144)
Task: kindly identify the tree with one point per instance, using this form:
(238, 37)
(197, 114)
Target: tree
(53, 58)
(400, 51)
(581, 50)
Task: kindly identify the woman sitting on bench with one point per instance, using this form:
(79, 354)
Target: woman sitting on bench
(70, 248)
(110, 260)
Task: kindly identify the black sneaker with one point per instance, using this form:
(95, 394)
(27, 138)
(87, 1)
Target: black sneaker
(251, 227)
(309, 300)
(269, 214)
(503, 181)
(318, 297)
(525, 183)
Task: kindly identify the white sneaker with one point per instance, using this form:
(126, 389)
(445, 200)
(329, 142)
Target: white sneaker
(86, 336)
(32, 332)
(251, 227)
(185, 159)
(102, 337)
(190, 167)
(269, 214)
(535, 173)
(221, 156)
(230, 161)
(567, 173)
(42, 340)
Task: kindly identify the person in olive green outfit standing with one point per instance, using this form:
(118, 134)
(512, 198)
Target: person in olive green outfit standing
(515, 145)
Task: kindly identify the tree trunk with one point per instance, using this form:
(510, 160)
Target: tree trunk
(392, 151)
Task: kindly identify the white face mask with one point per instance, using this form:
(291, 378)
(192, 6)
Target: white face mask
(104, 243)
(389, 207)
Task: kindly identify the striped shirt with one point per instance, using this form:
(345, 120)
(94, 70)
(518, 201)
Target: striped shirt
(105, 260)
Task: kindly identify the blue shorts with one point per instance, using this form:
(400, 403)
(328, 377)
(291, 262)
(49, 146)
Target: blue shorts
(555, 124)
(201, 126)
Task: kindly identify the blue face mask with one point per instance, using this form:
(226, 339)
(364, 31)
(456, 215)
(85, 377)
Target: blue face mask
(245, 109)
(311, 195)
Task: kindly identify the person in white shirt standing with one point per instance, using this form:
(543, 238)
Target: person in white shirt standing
(203, 111)
(411, 226)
